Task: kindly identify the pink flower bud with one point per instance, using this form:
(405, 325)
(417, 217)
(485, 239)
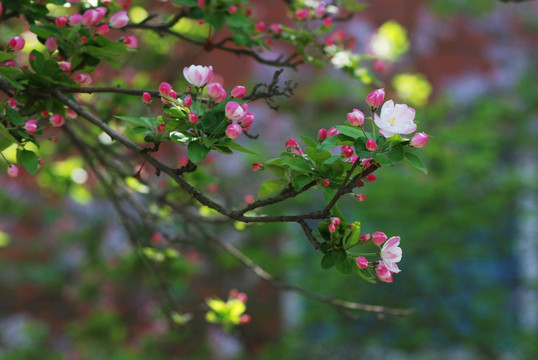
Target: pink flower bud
(239, 91)
(57, 120)
(214, 90)
(365, 238)
(257, 166)
(72, 114)
(302, 14)
(65, 65)
(379, 66)
(187, 101)
(165, 88)
(371, 145)
(347, 150)
(131, 42)
(326, 182)
(173, 94)
(161, 128)
(102, 30)
(245, 107)
(260, 27)
(375, 98)
(234, 111)
(362, 263)
(332, 132)
(277, 29)
(1, 8)
(379, 238)
(44, 113)
(119, 20)
(193, 118)
(40, 162)
(360, 197)
(353, 158)
(419, 140)
(61, 21)
(371, 177)
(292, 143)
(365, 163)
(30, 126)
(383, 273)
(83, 39)
(328, 21)
(233, 131)
(245, 319)
(13, 171)
(12, 103)
(91, 17)
(51, 44)
(246, 121)
(16, 43)
(183, 161)
(201, 3)
(332, 228)
(146, 98)
(242, 297)
(336, 221)
(355, 118)
(74, 19)
(83, 79)
(249, 199)
(198, 75)
(232, 9)
(11, 63)
(320, 10)
(322, 134)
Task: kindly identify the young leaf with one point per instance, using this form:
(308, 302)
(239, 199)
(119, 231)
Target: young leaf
(352, 131)
(343, 264)
(416, 162)
(197, 151)
(309, 141)
(132, 119)
(393, 156)
(329, 259)
(271, 187)
(29, 160)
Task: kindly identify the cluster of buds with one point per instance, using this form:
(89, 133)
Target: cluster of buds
(390, 254)
(335, 223)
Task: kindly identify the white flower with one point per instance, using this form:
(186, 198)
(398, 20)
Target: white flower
(198, 75)
(391, 253)
(395, 119)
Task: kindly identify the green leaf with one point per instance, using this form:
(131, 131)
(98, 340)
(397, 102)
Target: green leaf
(300, 181)
(352, 131)
(186, 2)
(29, 160)
(276, 169)
(323, 228)
(271, 187)
(360, 149)
(354, 236)
(180, 137)
(235, 146)
(45, 32)
(309, 141)
(315, 156)
(197, 151)
(6, 134)
(416, 162)
(329, 259)
(344, 264)
(4, 56)
(363, 275)
(132, 119)
(333, 141)
(14, 117)
(216, 19)
(298, 163)
(393, 156)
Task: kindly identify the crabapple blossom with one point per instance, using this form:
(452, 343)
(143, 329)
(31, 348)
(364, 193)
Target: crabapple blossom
(375, 98)
(71, 113)
(328, 21)
(383, 273)
(61, 21)
(246, 121)
(16, 43)
(291, 143)
(347, 150)
(302, 14)
(74, 19)
(419, 140)
(371, 145)
(193, 118)
(146, 98)
(13, 171)
(320, 10)
(336, 221)
(119, 20)
(371, 177)
(277, 29)
(249, 199)
(57, 120)
(332, 131)
(51, 44)
(322, 134)
(198, 75)
(395, 119)
(365, 163)
(83, 79)
(165, 88)
(326, 182)
(365, 238)
(260, 27)
(65, 65)
(332, 228)
(30, 126)
(201, 3)
(362, 263)
(161, 128)
(238, 92)
(131, 42)
(91, 17)
(234, 111)
(232, 9)
(233, 131)
(102, 29)
(214, 90)
(353, 158)
(355, 118)
(379, 238)
(12, 103)
(245, 319)
(360, 197)
(391, 253)
(187, 101)
(257, 166)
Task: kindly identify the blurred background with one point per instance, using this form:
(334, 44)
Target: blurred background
(72, 288)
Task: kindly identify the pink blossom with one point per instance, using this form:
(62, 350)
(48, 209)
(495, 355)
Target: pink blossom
(16, 43)
(61, 21)
(277, 29)
(101, 11)
(242, 297)
(291, 144)
(326, 182)
(233, 131)
(257, 166)
(260, 27)
(355, 118)
(322, 134)
(365, 163)
(30, 126)
(201, 3)
(371, 177)
(13, 171)
(362, 263)
(365, 238)
(320, 10)
(246, 121)
(238, 92)
(249, 199)
(57, 120)
(232, 9)
(336, 221)
(74, 19)
(51, 44)
(379, 238)
(332, 132)
(83, 79)
(119, 19)
(391, 253)
(12, 103)
(193, 118)
(383, 273)
(40, 162)
(328, 21)
(1, 8)
(379, 66)
(131, 42)
(187, 101)
(146, 98)
(91, 17)
(234, 111)
(302, 14)
(72, 114)
(214, 90)
(65, 65)
(332, 228)
(419, 140)
(198, 75)
(371, 145)
(11, 63)
(395, 119)
(347, 150)
(165, 88)
(353, 158)
(245, 319)
(245, 107)
(102, 29)
(375, 98)
(360, 197)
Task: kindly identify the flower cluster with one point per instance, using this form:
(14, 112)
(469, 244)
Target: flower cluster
(390, 254)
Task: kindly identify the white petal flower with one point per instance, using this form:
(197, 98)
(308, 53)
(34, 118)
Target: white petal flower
(391, 253)
(395, 119)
